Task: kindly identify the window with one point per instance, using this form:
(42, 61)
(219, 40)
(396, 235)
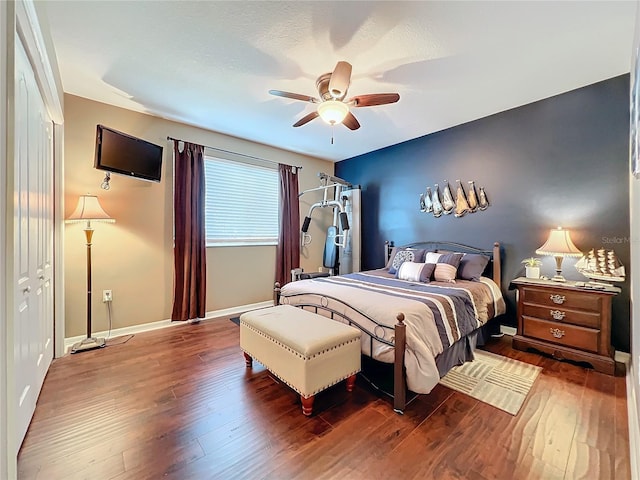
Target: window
(241, 202)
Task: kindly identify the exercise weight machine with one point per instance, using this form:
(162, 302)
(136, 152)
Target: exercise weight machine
(342, 243)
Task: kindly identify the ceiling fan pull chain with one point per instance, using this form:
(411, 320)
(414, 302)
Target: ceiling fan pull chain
(332, 129)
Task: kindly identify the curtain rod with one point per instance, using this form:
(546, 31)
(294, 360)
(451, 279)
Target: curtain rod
(233, 153)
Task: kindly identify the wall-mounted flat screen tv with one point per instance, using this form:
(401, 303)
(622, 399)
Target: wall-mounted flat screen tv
(127, 155)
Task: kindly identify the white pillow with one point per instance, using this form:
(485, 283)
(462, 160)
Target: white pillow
(432, 257)
(410, 271)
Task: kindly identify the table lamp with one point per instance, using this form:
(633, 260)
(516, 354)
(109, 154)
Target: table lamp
(559, 245)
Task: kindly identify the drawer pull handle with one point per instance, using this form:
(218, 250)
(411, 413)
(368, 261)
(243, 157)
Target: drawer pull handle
(556, 332)
(557, 314)
(558, 299)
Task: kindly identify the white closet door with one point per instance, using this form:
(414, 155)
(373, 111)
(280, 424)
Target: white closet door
(33, 232)
(44, 243)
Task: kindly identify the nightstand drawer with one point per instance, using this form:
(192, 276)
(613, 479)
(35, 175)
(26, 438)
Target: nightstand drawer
(562, 298)
(563, 334)
(562, 315)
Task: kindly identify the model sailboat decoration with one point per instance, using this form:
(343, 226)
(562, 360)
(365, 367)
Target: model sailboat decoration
(601, 265)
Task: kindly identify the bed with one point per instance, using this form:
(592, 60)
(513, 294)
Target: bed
(422, 318)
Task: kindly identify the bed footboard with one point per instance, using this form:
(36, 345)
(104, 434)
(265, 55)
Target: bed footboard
(399, 380)
(322, 303)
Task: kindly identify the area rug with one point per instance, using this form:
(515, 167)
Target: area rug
(499, 381)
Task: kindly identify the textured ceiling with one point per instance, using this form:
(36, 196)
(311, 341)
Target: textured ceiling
(212, 63)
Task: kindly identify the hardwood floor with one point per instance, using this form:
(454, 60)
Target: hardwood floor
(179, 404)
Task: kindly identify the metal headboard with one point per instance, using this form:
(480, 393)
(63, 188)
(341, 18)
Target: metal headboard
(494, 268)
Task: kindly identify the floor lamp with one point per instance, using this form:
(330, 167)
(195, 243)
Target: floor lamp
(89, 210)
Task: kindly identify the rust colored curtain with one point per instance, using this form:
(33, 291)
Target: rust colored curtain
(288, 251)
(189, 252)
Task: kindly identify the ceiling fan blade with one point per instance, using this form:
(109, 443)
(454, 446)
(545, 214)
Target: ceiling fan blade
(306, 119)
(295, 96)
(340, 80)
(350, 122)
(374, 99)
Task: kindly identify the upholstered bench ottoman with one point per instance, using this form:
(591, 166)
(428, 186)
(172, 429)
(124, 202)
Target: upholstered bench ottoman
(306, 351)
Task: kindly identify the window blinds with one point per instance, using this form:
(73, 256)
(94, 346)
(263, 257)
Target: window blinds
(241, 206)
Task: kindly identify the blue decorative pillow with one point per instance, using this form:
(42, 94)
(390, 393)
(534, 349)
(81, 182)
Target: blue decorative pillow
(405, 255)
(427, 272)
(451, 258)
(472, 266)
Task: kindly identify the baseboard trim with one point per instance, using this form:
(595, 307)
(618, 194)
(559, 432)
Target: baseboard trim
(146, 327)
(622, 357)
(508, 330)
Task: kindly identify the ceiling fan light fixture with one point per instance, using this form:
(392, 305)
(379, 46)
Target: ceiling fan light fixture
(333, 111)
(331, 105)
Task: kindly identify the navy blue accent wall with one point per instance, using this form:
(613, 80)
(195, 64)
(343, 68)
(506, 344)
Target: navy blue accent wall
(560, 161)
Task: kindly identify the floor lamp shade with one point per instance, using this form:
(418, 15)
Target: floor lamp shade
(559, 245)
(89, 210)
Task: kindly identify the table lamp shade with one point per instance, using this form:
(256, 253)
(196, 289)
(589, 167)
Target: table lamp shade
(89, 209)
(559, 244)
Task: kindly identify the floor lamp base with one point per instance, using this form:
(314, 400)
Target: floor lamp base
(88, 344)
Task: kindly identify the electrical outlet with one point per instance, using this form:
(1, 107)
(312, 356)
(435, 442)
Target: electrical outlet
(107, 296)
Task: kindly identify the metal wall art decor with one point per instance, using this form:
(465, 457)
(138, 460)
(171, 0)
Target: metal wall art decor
(435, 200)
(464, 202)
(447, 199)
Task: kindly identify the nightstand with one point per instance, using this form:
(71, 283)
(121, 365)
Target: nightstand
(566, 321)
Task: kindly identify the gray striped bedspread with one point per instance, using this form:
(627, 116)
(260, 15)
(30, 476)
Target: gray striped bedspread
(437, 314)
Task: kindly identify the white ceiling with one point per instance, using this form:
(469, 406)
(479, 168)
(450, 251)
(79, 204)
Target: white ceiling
(211, 63)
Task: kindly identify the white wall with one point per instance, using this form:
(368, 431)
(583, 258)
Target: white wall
(4, 472)
(634, 386)
(633, 379)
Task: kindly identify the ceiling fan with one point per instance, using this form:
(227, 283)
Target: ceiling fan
(332, 106)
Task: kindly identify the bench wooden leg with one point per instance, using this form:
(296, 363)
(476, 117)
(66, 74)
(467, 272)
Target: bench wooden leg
(351, 381)
(248, 360)
(307, 404)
